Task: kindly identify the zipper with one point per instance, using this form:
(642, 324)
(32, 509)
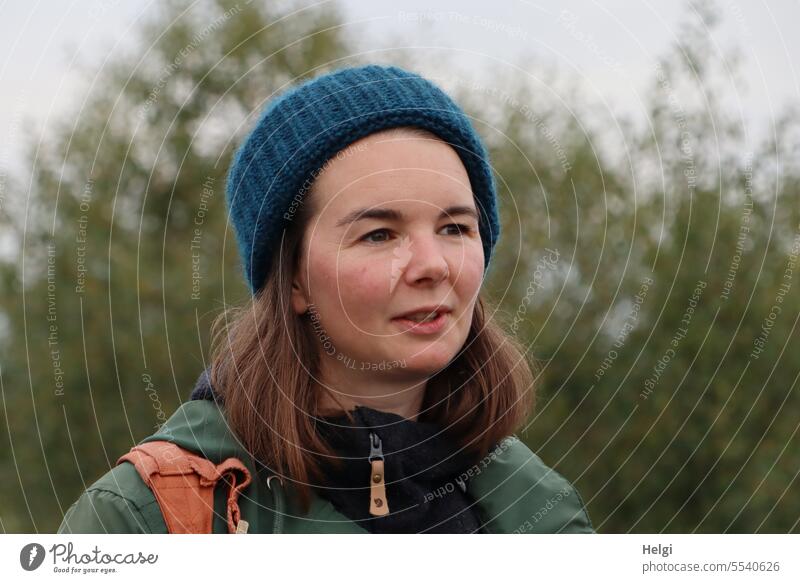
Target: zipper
(378, 505)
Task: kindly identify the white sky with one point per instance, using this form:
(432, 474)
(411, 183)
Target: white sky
(611, 46)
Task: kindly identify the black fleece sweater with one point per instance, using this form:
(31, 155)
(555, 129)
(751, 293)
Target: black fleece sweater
(425, 474)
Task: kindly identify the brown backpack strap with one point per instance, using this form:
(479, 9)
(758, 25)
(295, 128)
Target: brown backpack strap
(183, 483)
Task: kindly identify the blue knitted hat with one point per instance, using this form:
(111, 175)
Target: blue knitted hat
(306, 126)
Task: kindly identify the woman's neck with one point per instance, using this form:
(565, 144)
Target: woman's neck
(343, 390)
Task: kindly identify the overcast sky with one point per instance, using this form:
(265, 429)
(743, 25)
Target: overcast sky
(610, 46)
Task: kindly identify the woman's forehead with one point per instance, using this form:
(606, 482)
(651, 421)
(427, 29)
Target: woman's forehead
(387, 162)
(411, 174)
(396, 200)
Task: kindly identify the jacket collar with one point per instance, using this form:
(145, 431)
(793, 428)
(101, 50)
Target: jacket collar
(514, 490)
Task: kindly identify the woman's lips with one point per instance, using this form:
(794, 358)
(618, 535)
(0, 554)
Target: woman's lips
(423, 328)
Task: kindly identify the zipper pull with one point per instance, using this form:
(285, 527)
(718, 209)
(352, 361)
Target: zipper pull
(378, 505)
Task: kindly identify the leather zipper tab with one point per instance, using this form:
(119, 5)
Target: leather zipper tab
(378, 505)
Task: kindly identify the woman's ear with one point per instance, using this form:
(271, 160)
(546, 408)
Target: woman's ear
(299, 298)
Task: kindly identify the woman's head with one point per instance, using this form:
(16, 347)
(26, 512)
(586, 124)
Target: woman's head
(397, 219)
(393, 231)
(302, 130)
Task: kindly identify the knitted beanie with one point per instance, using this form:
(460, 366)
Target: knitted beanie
(299, 131)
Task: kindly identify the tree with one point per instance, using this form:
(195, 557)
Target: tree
(124, 250)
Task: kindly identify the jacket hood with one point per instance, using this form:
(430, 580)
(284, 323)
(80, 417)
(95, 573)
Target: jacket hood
(199, 426)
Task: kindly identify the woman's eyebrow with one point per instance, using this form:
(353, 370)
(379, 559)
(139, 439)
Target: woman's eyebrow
(389, 214)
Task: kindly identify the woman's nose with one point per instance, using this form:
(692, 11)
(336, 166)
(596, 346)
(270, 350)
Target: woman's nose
(426, 262)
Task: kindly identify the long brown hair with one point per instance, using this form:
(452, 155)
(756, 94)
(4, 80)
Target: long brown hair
(265, 358)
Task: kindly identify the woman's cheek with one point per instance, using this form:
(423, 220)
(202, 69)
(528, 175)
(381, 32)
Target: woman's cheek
(323, 276)
(364, 288)
(469, 269)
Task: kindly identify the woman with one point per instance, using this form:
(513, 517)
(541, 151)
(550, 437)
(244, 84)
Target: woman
(365, 388)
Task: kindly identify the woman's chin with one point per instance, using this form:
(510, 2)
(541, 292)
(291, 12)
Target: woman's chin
(425, 364)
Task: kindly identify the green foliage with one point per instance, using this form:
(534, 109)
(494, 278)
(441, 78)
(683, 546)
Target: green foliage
(700, 225)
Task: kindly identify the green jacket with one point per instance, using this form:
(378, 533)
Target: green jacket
(515, 491)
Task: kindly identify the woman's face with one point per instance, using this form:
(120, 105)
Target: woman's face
(394, 231)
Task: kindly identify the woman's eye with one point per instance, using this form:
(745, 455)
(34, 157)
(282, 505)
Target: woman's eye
(369, 236)
(383, 235)
(460, 229)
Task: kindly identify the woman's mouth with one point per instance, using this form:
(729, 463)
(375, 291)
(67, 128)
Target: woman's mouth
(422, 323)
